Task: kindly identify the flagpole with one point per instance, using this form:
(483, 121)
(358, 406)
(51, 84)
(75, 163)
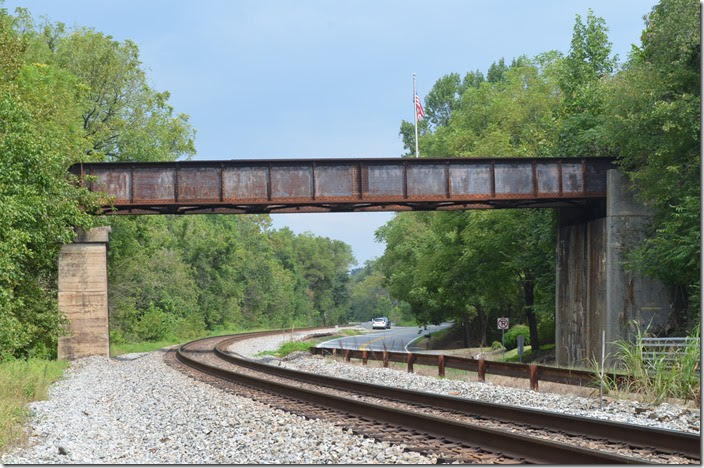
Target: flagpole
(415, 112)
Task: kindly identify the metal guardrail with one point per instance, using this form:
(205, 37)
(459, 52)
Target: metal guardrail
(534, 372)
(667, 348)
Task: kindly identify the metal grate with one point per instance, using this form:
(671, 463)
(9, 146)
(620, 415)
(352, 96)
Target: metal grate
(668, 348)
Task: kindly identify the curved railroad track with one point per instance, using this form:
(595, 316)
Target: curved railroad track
(455, 429)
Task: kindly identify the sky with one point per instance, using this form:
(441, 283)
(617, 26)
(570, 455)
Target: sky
(314, 79)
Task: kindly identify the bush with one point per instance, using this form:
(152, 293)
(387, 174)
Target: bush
(496, 345)
(190, 327)
(117, 337)
(154, 325)
(511, 335)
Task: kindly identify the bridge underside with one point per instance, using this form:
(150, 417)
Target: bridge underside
(345, 185)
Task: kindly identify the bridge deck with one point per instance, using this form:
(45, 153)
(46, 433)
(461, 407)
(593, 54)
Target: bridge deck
(324, 185)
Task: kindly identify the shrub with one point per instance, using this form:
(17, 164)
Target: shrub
(496, 345)
(190, 327)
(154, 325)
(117, 337)
(513, 332)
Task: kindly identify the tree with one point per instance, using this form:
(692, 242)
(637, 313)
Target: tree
(123, 117)
(583, 76)
(654, 126)
(39, 138)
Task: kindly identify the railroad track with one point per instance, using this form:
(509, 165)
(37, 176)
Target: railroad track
(454, 429)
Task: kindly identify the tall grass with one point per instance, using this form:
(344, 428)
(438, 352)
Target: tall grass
(657, 379)
(22, 381)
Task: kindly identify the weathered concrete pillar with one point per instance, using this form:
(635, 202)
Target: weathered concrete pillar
(629, 296)
(594, 291)
(580, 283)
(83, 295)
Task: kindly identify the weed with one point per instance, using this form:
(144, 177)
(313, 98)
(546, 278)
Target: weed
(289, 347)
(656, 379)
(22, 381)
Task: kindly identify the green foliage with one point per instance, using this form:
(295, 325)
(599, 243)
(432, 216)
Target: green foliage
(221, 272)
(80, 95)
(654, 126)
(511, 335)
(57, 108)
(474, 266)
(528, 355)
(40, 137)
(153, 325)
(496, 345)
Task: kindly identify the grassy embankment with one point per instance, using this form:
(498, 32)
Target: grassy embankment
(23, 381)
(291, 346)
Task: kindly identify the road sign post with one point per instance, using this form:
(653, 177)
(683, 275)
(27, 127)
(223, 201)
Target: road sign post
(519, 343)
(502, 324)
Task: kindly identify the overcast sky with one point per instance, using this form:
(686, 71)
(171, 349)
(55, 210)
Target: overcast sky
(304, 79)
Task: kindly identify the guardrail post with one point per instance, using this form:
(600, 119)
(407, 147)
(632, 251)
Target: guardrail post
(411, 359)
(386, 358)
(441, 365)
(534, 377)
(364, 357)
(347, 355)
(334, 352)
(481, 369)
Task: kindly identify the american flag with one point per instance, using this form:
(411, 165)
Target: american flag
(420, 113)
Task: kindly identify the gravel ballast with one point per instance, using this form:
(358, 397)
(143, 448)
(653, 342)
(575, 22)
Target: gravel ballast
(138, 410)
(666, 416)
(141, 411)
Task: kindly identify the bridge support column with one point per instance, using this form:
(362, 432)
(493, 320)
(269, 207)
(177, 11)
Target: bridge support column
(83, 295)
(594, 291)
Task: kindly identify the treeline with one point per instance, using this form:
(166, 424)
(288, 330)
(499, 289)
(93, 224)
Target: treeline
(180, 276)
(474, 266)
(79, 95)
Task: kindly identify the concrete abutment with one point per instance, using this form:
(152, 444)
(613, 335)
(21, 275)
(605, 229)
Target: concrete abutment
(594, 290)
(83, 295)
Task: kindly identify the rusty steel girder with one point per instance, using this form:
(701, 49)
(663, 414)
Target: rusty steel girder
(344, 185)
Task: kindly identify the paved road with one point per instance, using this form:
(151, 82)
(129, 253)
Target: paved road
(394, 339)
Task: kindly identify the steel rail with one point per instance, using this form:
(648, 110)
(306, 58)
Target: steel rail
(660, 439)
(531, 449)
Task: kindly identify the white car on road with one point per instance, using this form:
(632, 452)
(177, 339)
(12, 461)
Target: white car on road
(381, 322)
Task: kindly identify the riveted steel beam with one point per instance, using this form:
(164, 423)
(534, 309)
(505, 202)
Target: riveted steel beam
(344, 185)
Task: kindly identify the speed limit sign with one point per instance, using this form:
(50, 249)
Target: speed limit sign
(502, 323)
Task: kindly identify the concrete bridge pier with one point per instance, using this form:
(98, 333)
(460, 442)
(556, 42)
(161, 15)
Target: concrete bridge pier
(594, 290)
(83, 295)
